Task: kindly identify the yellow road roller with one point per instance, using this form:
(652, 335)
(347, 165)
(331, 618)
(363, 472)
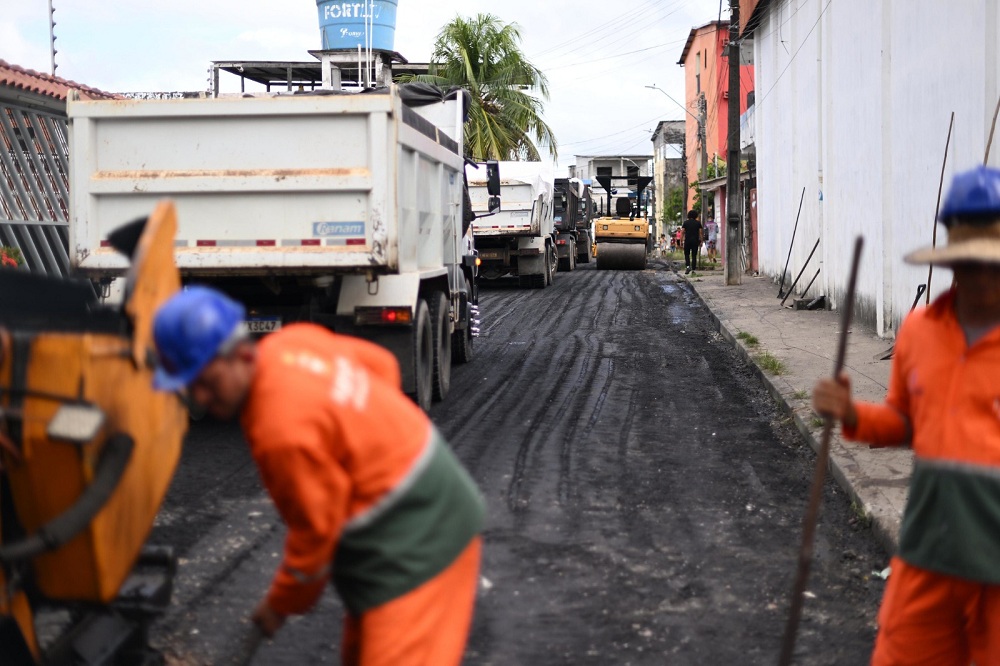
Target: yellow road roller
(621, 238)
(87, 452)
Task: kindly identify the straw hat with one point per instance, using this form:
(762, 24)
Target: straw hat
(971, 213)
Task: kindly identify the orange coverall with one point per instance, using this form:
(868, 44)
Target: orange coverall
(371, 495)
(942, 603)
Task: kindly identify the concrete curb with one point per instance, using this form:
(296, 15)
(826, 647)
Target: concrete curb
(884, 527)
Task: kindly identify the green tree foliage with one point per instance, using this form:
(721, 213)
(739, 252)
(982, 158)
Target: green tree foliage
(673, 211)
(711, 171)
(483, 55)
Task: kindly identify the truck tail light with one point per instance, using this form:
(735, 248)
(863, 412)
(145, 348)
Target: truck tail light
(387, 316)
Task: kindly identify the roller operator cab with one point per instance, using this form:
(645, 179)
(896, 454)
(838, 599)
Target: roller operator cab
(621, 237)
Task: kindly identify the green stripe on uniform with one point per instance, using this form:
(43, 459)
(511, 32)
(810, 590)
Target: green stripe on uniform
(951, 524)
(423, 532)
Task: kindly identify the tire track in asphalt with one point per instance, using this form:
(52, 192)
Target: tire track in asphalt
(498, 389)
(511, 379)
(559, 423)
(468, 413)
(517, 498)
(497, 318)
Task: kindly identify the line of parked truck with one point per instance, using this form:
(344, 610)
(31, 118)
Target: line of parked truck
(544, 225)
(359, 212)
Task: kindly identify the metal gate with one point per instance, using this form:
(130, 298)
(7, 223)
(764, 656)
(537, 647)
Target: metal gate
(34, 188)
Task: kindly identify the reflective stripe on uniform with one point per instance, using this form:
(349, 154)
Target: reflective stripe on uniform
(369, 515)
(305, 578)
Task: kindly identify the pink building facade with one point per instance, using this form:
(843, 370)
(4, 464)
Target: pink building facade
(706, 68)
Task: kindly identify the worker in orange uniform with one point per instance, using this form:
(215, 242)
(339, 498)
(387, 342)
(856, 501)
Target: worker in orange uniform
(942, 603)
(370, 492)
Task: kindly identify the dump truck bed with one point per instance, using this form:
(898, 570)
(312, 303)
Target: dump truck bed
(310, 184)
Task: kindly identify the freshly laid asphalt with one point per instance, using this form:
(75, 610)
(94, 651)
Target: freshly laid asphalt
(805, 342)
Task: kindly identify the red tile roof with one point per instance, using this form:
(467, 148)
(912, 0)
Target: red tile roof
(45, 84)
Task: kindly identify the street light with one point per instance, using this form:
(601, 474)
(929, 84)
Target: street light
(654, 87)
(702, 137)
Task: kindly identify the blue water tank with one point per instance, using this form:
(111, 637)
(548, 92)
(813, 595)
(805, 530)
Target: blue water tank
(342, 24)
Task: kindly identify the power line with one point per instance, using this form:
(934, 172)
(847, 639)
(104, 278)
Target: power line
(626, 37)
(759, 102)
(598, 138)
(592, 75)
(619, 55)
(775, 29)
(792, 59)
(617, 145)
(623, 19)
(587, 41)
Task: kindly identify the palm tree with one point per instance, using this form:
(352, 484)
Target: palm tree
(482, 55)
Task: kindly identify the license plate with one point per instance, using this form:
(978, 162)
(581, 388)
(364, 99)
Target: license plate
(491, 254)
(262, 325)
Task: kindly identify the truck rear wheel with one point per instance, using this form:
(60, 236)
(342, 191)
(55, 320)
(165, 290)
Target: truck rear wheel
(423, 356)
(461, 341)
(583, 257)
(568, 263)
(441, 323)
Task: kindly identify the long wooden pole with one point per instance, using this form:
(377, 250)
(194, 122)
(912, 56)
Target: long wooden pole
(808, 259)
(993, 127)
(246, 646)
(937, 208)
(781, 285)
(806, 290)
(816, 492)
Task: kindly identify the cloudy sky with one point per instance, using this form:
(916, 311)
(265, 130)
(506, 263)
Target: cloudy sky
(598, 54)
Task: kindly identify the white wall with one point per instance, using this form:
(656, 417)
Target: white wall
(853, 102)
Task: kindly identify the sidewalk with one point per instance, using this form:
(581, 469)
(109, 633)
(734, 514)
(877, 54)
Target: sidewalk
(806, 342)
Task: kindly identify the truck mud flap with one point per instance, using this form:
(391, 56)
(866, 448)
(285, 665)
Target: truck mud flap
(399, 341)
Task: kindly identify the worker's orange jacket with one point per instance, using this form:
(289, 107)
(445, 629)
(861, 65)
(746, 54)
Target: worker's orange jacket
(947, 394)
(359, 474)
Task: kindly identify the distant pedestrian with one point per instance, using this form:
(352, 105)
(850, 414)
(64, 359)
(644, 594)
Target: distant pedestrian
(942, 601)
(663, 245)
(712, 231)
(692, 235)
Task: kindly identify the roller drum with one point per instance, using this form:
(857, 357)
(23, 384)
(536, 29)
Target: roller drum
(621, 256)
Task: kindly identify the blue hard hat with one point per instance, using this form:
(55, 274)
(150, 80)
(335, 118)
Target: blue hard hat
(189, 330)
(973, 193)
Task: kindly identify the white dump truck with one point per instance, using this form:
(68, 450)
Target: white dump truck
(348, 210)
(519, 240)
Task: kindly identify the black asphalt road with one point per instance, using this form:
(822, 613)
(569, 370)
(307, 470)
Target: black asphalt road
(645, 499)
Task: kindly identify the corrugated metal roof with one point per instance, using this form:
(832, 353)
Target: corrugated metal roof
(44, 84)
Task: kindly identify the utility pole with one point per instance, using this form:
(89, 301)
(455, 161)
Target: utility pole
(703, 134)
(52, 37)
(685, 185)
(733, 223)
